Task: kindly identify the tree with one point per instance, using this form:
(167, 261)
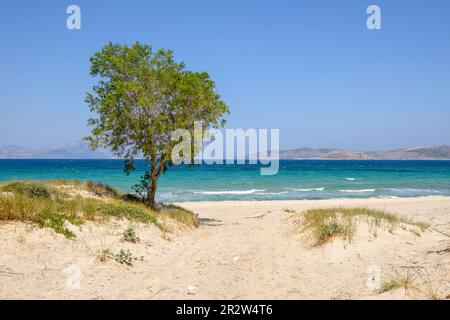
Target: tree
(141, 97)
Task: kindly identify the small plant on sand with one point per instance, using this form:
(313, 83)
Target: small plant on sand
(104, 255)
(125, 257)
(326, 224)
(328, 230)
(406, 282)
(287, 210)
(390, 285)
(130, 235)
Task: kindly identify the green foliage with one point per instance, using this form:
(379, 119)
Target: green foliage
(142, 96)
(142, 187)
(130, 235)
(328, 230)
(122, 209)
(125, 257)
(55, 221)
(30, 189)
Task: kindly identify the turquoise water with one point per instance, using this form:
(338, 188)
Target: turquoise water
(297, 179)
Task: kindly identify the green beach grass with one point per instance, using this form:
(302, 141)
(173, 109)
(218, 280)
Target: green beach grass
(326, 224)
(50, 204)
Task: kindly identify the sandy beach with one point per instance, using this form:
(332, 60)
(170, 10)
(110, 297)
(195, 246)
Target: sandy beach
(241, 250)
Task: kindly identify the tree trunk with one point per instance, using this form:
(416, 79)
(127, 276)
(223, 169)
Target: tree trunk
(151, 192)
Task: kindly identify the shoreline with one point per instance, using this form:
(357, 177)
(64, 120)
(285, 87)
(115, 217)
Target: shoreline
(437, 197)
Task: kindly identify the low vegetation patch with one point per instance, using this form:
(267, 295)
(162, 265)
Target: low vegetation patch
(181, 215)
(326, 224)
(50, 219)
(405, 282)
(123, 257)
(130, 235)
(31, 189)
(121, 209)
(102, 190)
(49, 205)
(126, 257)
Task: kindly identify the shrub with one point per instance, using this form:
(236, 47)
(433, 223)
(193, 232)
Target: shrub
(30, 189)
(102, 190)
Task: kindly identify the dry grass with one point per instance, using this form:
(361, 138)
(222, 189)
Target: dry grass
(48, 205)
(102, 190)
(406, 282)
(181, 215)
(430, 283)
(326, 224)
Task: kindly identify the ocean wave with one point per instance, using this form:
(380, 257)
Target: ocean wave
(413, 190)
(271, 193)
(309, 189)
(350, 179)
(251, 191)
(357, 190)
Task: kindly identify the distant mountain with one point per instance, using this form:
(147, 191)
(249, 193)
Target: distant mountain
(416, 153)
(81, 150)
(74, 150)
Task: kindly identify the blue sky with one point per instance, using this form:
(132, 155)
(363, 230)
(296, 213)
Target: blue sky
(310, 68)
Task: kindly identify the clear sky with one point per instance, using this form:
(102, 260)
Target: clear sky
(310, 68)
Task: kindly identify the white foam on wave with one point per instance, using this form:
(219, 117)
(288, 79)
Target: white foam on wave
(271, 193)
(357, 190)
(251, 191)
(309, 189)
(350, 179)
(413, 190)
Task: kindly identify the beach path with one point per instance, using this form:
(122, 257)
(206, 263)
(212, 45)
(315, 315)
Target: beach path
(254, 250)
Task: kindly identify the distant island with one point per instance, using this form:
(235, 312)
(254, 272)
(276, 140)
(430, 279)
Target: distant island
(74, 150)
(81, 150)
(415, 153)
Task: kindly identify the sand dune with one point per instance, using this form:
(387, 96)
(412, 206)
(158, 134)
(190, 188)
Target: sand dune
(242, 250)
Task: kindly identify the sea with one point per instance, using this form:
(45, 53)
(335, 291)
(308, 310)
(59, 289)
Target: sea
(296, 179)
